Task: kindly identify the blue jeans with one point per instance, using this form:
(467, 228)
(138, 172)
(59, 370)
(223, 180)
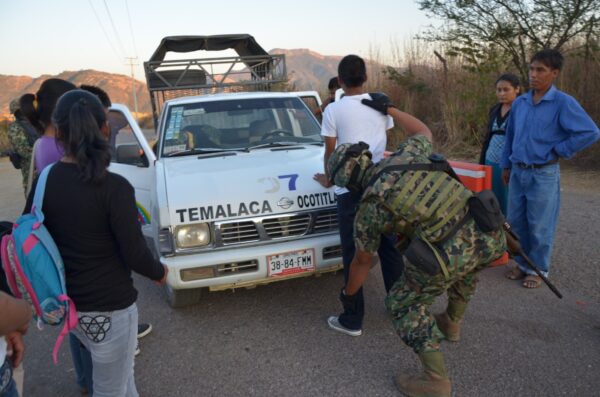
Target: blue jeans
(82, 361)
(392, 265)
(533, 206)
(112, 349)
(498, 186)
(8, 388)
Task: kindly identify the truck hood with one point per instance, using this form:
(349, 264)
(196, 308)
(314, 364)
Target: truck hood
(259, 183)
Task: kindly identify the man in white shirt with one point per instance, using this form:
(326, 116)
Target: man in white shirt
(349, 121)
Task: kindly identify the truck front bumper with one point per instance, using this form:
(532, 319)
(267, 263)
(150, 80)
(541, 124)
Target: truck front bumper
(247, 266)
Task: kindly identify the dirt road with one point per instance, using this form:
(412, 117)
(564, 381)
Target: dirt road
(273, 340)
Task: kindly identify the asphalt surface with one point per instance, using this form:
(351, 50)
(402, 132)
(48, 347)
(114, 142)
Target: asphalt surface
(273, 340)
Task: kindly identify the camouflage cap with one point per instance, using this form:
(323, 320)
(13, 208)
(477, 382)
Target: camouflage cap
(341, 164)
(14, 106)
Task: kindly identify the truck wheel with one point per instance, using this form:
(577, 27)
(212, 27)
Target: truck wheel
(182, 297)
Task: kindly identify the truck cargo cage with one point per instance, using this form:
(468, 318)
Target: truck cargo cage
(252, 70)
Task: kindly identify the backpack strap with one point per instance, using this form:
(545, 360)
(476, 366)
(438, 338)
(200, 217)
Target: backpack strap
(38, 198)
(31, 167)
(71, 321)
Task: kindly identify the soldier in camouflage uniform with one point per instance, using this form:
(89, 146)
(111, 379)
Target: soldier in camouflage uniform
(19, 141)
(424, 205)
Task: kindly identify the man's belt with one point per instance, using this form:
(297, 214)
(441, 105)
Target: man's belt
(533, 166)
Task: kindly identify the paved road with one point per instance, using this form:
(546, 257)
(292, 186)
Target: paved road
(273, 340)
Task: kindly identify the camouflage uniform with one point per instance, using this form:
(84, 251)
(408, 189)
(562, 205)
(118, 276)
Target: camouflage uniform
(469, 250)
(20, 144)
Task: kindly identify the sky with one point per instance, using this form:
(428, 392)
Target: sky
(50, 36)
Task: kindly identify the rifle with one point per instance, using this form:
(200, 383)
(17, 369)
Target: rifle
(514, 247)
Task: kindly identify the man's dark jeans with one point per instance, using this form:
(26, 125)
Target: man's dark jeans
(392, 265)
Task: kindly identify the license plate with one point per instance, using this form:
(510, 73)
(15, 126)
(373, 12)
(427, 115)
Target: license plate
(292, 262)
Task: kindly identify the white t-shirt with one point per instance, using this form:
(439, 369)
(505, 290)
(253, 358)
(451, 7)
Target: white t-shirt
(349, 121)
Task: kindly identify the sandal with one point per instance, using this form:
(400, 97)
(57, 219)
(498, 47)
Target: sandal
(514, 274)
(532, 281)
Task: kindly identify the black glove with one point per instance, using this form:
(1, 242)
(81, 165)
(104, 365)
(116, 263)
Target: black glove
(380, 102)
(349, 302)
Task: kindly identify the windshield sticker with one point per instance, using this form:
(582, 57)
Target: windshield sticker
(174, 122)
(193, 112)
(175, 148)
(196, 214)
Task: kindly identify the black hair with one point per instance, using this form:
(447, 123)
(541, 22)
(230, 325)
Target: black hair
(352, 71)
(549, 57)
(99, 92)
(79, 116)
(510, 78)
(38, 108)
(333, 83)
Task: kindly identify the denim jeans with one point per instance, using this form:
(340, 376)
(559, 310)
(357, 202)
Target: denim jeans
(533, 206)
(389, 257)
(8, 387)
(82, 361)
(112, 350)
(498, 186)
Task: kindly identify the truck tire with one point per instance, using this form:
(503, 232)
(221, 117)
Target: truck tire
(182, 297)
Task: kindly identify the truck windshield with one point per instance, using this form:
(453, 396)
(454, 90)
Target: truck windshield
(238, 124)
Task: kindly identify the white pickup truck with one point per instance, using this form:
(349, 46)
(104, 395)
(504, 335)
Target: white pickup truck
(226, 194)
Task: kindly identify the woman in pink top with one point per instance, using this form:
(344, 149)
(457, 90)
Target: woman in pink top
(38, 110)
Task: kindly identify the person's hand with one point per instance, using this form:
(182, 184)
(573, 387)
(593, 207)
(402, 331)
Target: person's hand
(163, 280)
(506, 175)
(15, 348)
(379, 102)
(322, 179)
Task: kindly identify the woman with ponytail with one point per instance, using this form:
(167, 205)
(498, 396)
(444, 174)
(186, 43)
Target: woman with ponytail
(38, 110)
(91, 214)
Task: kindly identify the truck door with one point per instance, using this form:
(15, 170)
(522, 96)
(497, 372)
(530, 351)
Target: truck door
(132, 157)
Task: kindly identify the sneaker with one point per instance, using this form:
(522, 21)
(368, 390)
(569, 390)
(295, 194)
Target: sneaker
(137, 348)
(334, 323)
(143, 330)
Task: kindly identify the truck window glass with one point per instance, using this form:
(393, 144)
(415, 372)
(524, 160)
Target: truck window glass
(125, 147)
(238, 124)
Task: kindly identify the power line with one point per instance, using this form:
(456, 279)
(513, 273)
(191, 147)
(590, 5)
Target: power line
(132, 64)
(112, 23)
(131, 29)
(105, 33)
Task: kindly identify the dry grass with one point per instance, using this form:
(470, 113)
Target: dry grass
(454, 101)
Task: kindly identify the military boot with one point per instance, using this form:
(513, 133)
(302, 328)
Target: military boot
(449, 328)
(433, 382)
(450, 321)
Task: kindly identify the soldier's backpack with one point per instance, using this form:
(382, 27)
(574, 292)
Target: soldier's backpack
(483, 207)
(34, 268)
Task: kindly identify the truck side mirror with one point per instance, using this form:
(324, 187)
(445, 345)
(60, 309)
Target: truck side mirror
(131, 154)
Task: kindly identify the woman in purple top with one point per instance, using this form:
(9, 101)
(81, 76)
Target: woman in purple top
(47, 151)
(38, 109)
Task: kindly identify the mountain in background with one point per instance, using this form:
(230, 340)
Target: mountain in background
(307, 70)
(117, 86)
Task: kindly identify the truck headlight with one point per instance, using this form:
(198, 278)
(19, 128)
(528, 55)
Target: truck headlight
(191, 236)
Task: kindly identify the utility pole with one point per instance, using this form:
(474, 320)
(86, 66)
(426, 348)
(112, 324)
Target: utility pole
(132, 61)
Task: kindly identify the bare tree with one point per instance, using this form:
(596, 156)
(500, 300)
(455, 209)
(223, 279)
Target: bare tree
(512, 29)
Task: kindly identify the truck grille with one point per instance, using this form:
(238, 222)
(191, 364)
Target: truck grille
(275, 228)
